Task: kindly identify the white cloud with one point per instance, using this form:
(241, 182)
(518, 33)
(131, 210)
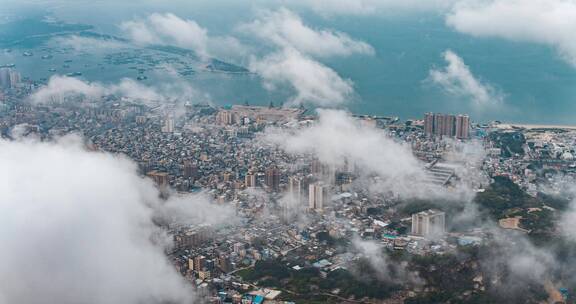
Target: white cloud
(59, 88)
(367, 7)
(337, 138)
(140, 32)
(312, 81)
(172, 30)
(284, 28)
(549, 22)
(457, 79)
(77, 228)
(379, 261)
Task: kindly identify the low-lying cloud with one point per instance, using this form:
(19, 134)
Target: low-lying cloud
(456, 79)
(60, 88)
(169, 29)
(548, 22)
(77, 228)
(285, 28)
(313, 82)
(370, 7)
(337, 138)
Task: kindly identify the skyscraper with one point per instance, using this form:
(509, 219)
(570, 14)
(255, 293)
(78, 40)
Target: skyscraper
(317, 193)
(449, 128)
(168, 126)
(4, 78)
(446, 125)
(250, 180)
(429, 124)
(429, 223)
(189, 169)
(14, 78)
(160, 178)
(298, 188)
(272, 179)
(462, 126)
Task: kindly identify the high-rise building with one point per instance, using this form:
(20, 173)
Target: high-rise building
(449, 127)
(438, 124)
(160, 178)
(462, 126)
(4, 78)
(317, 194)
(250, 180)
(168, 126)
(225, 117)
(272, 179)
(189, 169)
(429, 223)
(14, 78)
(446, 125)
(298, 188)
(429, 124)
(199, 262)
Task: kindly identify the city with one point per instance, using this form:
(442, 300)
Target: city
(146, 187)
(305, 221)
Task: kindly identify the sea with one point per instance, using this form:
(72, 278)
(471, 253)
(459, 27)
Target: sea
(537, 85)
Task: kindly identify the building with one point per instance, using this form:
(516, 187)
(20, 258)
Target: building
(250, 180)
(429, 124)
(429, 223)
(168, 126)
(225, 117)
(446, 125)
(317, 195)
(199, 262)
(449, 125)
(15, 78)
(272, 179)
(462, 127)
(4, 78)
(189, 169)
(160, 178)
(192, 238)
(298, 188)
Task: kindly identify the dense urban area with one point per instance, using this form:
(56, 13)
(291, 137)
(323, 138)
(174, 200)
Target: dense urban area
(308, 231)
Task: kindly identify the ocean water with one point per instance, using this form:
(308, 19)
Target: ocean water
(539, 87)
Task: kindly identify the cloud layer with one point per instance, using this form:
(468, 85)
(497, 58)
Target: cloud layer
(59, 88)
(284, 28)
(368, 7)
(77, 228)
(549, 22)
(457, 79)
(337, 138)
(312, 81)
(170, 29)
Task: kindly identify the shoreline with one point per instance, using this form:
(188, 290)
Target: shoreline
(536, 126)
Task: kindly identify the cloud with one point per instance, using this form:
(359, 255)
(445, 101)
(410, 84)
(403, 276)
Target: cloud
(59, 88)
(370, 7)
(284, 28)
(457, 79)
(172, 30)
(337, 138)
(312, 81)
(379, 261)
(548, 22)
(77, 228)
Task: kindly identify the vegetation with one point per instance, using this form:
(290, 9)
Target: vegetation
(509, 142)
(309, 282)
(503, 197)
